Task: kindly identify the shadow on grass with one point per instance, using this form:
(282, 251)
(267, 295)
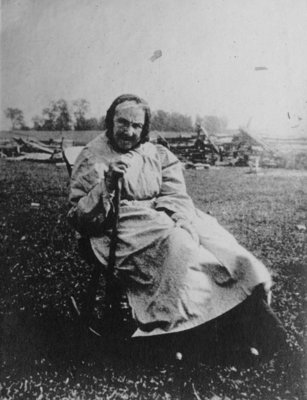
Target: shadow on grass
(29, 341)
(59, 348)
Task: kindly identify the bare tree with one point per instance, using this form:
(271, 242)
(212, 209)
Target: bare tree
(16, 116)
(80, 109)
(57, 116)
(165, 121)
(214, 124)
(38, 123)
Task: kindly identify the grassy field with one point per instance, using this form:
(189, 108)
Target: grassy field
(43, 357)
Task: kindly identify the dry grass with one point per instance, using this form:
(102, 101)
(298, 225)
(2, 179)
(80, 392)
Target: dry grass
(43, 358)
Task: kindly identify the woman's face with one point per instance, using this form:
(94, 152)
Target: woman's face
(128, 124)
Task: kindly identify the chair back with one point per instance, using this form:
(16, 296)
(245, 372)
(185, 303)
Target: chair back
(70, 155)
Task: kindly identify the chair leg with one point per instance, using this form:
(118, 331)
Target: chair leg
(89, 303)
(112, 316)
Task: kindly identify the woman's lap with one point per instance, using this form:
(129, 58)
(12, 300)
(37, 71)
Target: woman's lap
(172, 279)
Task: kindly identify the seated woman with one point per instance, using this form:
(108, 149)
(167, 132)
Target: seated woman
(180, 268)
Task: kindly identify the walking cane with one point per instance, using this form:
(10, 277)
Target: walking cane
(111, 294)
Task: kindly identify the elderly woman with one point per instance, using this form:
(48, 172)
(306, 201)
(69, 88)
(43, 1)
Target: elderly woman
(180, 268)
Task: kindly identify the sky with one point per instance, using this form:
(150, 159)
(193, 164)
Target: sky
(244, 60)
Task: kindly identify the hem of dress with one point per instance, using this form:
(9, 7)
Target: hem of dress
(184, 326)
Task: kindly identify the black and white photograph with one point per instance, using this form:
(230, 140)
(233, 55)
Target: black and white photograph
(153, 199)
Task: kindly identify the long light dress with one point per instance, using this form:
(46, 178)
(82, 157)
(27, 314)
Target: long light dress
(174, 280)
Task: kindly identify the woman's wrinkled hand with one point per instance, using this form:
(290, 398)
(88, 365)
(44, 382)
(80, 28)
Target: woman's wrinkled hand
(116, 171)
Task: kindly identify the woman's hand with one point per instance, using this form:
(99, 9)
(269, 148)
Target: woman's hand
(116, 171)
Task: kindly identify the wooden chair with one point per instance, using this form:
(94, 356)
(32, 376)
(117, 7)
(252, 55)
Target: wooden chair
(70, 155)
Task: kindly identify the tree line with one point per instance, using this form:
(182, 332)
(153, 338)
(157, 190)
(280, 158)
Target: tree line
(62, 116)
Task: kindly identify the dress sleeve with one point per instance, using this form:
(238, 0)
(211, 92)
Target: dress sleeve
(90, 201)
(173, 197)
